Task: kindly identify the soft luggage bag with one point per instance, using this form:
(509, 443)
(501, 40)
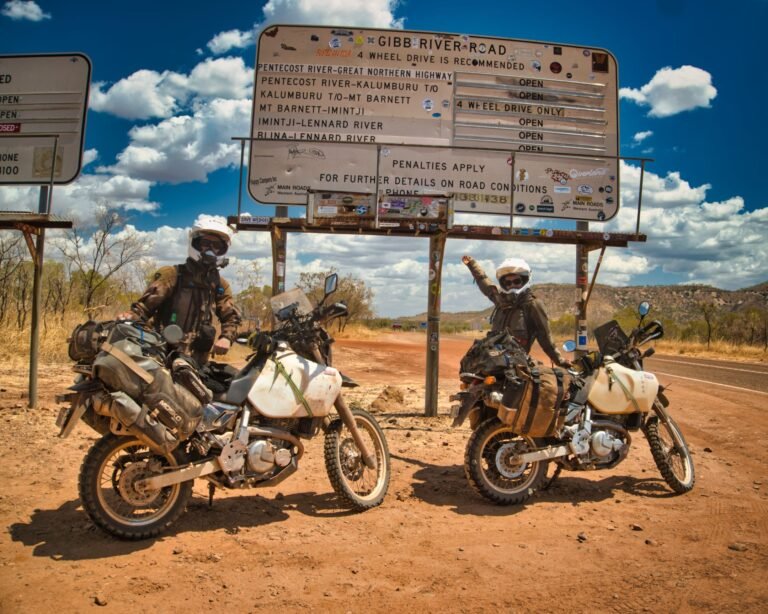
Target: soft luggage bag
(533, 400)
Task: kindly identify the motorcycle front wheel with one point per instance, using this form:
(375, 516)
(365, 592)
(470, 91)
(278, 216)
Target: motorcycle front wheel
(671, 454)
(111, 498)
(492, 469)
(357, 485)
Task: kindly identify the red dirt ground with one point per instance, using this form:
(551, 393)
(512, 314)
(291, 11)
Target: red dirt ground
(611, 541)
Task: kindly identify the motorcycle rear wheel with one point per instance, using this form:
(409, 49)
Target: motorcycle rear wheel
(671, 454)
(108, 494)
(490, 467)
(358, 486)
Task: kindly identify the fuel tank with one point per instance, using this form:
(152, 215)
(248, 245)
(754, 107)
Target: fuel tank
(290, 386)
(616, 386)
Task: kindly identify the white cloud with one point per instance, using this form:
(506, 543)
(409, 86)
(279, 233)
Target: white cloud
(187, 147)
(221, 78)
(673, 90)
(231, 39)
(90, 155)
(78, 200)
(717, 243)
(148, 94)
(362, 13)
(641, 136)
(142, 95)
(19, 10)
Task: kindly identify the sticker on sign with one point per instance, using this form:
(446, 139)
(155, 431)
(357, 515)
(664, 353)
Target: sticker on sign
(478, 119)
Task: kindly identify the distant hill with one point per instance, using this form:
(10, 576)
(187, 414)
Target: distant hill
(677, 302)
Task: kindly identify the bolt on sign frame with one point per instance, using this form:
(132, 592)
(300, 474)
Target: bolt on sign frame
(43, 104)
(355, 125)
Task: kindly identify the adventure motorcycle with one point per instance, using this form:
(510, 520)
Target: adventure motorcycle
(524, 416)
(163, 427)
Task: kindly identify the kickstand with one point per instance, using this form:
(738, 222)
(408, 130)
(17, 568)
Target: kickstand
(211, 490)
(555, 475)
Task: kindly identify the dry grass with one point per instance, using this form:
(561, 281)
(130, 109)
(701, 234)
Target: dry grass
(718, 349)
(54, 335)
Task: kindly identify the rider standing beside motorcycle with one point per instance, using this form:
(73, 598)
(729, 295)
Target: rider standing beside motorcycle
(517, 310)
(188, 294)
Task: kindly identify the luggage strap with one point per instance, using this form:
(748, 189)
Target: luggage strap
(627, 393)
(127, 361)
(533, 405)
(558, 401)
(296, 390)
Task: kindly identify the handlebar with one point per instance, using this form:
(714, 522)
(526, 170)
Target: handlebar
(652, 330)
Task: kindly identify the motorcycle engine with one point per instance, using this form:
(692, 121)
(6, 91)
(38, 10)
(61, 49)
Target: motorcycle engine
(605, 443)
(263, 456)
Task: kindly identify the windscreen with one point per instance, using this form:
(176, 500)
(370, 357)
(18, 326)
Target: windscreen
(296, 295)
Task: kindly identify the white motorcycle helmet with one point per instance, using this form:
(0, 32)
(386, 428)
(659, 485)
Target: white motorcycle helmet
(514, 275)
(209, 240)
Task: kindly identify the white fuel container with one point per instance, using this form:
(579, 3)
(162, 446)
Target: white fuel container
(311, 391)
(616, 387)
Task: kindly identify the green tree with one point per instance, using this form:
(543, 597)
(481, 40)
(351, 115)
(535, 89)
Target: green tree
(351, 290)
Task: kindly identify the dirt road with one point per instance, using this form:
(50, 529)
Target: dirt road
(606, 541)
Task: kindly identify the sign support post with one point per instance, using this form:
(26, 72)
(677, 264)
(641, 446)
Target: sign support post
(279, 248)
(37, 258)
(436, 252)
(582, 279)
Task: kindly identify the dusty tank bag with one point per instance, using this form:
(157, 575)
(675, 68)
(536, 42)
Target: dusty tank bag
(534, 398)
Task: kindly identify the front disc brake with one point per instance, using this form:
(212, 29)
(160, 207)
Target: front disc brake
(351, 461)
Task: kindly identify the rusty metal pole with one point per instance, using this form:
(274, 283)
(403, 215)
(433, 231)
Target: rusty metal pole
(582, 285)
(37, 283)
(279, 246)
(436, 252)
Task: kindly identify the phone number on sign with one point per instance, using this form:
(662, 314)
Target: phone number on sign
(482, 198)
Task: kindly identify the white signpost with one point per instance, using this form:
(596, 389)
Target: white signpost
(500, 126)
(43, 102)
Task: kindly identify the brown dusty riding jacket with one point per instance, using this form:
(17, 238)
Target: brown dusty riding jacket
(522, 315)
(188, 295)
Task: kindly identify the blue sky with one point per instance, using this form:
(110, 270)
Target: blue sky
(172, 84)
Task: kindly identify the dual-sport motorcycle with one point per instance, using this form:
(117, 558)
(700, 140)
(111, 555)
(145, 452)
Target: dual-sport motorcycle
(162, 426)
(525, 415)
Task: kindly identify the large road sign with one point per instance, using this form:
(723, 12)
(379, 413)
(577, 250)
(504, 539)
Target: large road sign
(43, 102)
(499, 125)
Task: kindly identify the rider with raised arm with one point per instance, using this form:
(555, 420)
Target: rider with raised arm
(517, 310)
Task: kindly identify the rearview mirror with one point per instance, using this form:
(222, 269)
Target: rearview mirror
(643, 308)
(569, 346)
(330, 283)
